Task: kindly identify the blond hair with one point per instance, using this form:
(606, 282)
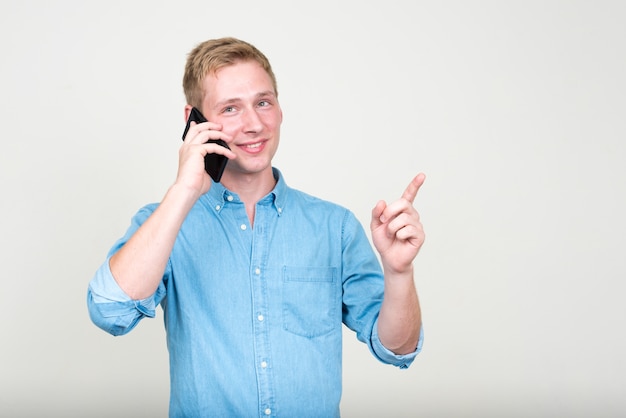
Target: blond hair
(214, 54)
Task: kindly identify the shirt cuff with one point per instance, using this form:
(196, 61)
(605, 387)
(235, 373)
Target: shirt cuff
(105, 290)
(387, 356)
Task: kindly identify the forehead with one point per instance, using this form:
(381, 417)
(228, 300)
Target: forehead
(241, 78)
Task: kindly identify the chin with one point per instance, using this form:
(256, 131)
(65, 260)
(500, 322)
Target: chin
(249, 169)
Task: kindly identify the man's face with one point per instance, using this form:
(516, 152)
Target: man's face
(241, 97)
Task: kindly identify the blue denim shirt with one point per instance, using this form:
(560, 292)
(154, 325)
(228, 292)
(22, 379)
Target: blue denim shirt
(253, 315)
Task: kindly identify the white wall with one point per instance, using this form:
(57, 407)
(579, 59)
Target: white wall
(514, 110)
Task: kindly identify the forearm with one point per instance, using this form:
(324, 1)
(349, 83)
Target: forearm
(400, 319)
(139, 265)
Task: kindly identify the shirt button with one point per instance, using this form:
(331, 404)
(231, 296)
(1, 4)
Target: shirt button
(264, 364)
(218, 207)
(280, 210)
(260, 317)
(268, 411)
(229, 198)
(257, 271)
(243, 227)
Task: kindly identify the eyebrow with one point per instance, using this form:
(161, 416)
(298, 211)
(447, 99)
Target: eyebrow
(239, 99)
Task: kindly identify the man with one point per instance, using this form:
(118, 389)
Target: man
(255, 278)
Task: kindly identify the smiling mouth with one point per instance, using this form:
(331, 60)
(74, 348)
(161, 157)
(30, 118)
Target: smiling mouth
(254, 147)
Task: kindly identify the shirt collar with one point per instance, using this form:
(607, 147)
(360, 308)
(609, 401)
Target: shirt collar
(218, 195)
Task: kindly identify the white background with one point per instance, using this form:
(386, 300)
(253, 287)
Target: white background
(515, 110)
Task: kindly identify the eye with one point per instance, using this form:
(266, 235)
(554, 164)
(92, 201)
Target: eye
(228, 109)
(264, 103)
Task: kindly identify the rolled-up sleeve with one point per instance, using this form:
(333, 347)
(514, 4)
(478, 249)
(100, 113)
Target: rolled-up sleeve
(389, 357)
(111, 309)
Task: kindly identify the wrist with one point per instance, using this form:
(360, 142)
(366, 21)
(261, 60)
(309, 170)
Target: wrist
(185, 195)
(399, 272)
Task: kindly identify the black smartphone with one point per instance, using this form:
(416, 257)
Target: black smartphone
(214, 164)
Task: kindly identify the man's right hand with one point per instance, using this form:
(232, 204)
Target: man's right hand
(191, 173)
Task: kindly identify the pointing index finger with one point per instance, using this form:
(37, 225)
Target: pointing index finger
(413, 187)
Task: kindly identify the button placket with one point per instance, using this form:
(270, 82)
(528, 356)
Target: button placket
(260, 240)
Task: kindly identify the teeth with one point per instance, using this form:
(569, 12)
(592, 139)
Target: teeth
(257, 145)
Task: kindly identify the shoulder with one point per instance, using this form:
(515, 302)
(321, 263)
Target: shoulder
(304, 207)
(144, 212)
(300, 198)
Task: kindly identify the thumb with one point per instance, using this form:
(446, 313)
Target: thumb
(376, 214)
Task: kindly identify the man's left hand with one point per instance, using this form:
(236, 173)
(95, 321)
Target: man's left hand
(397, 232)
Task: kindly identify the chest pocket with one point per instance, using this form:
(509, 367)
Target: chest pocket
(311, 300)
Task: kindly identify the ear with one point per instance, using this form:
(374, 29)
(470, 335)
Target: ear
(188, 108)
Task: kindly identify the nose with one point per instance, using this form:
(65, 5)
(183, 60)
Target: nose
(251, 121)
